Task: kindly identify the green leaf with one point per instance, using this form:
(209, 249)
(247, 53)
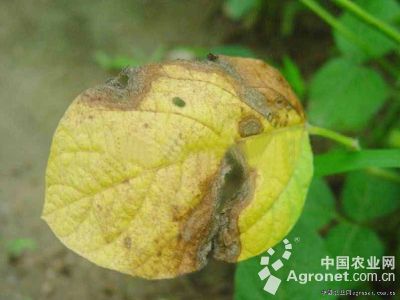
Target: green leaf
(366, 196)
(344, 96)
(293, 75)
(237, 9)
(377, 44)
(393, 139)
(305, 258)
(398, 245)
(341, 161)
(354, 240)
(247, 283)
(319, 208)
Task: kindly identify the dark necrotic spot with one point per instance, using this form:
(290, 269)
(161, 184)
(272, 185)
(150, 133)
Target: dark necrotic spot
(232, 179)
(280, 100)
(250, 126)
(123, 80)
(178, 102)
(232, 197)
(212, 57)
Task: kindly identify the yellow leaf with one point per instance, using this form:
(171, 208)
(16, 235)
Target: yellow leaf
(164, 164)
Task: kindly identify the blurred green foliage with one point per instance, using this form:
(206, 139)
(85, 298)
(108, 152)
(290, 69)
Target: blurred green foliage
(238, 9)
(15, 248)
(118, 62)
(362, 192)
(355, 89)
(289, 13)
(375, 41)
(293, 75)
(393, 138)
(340, 83)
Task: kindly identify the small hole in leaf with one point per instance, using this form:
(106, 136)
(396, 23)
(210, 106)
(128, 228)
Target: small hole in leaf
(178, 102)
(212, 57)
(123, 80)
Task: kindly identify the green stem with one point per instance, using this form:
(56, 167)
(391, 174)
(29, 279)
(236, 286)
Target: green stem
(370, 19)
(348, 34)
(332, 135)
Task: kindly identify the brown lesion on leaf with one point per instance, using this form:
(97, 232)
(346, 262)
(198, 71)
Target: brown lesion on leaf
(178, 214)
(257, 84)
(124, 92)
(263, 88)
(258, 75)
(212, 226)
(196, 228)
(250, 125)
(234, 195)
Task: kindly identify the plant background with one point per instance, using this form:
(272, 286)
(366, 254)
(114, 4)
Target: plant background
(52, 50)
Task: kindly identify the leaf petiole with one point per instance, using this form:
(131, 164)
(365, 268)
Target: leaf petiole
(352, 143)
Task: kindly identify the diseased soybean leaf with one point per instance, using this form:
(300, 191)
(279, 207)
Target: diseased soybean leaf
(165, 163)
